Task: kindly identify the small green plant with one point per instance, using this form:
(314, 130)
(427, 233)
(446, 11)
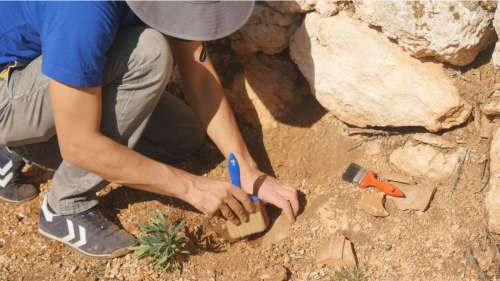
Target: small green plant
(162, 242)
(349, 274)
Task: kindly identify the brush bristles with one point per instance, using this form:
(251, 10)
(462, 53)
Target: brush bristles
(351, 172)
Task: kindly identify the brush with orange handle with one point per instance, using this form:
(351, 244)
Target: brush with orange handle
(366, 178)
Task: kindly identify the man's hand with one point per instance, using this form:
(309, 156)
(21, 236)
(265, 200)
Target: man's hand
(210, 196)
(271, 191)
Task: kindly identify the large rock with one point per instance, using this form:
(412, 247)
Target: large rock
(418, 159)
(493, 197)
(448, 30)
(266, 31)
(265, 90)
(366, 80)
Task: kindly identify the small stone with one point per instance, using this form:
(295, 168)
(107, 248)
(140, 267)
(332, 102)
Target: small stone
(417, 198)
(337, 251)
(276, 273)
(492, 108)
(387, 247)
(20, 216)
(372, 203)
(2, 243)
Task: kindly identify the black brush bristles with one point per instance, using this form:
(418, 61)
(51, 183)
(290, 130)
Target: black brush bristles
(351, 172)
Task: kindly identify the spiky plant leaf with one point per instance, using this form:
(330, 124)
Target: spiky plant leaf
(162, 242)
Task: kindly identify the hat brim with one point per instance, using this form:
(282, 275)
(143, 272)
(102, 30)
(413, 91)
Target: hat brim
(194, 20)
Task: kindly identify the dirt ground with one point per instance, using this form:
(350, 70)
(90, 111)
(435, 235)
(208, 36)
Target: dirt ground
(309, 149)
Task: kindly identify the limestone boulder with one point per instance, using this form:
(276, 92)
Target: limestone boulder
(266, 31)
(493, 196)
(419, 159)
(265, 90)
(449, 31)
(365, 80)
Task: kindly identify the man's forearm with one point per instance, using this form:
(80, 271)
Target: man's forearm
(205, 94)
(117, 163)
(213, 108)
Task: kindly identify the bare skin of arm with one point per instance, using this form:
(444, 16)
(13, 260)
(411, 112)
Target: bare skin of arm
(82, 144)
(204, 92)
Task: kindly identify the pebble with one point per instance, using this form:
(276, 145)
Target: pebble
(20, 216)
(2, 243)
(387, 247)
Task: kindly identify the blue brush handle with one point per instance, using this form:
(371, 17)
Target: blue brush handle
(234, 174)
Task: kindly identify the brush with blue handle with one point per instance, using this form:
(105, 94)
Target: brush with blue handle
(257, 221)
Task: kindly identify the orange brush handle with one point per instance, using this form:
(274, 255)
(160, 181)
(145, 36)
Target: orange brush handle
(387, 188)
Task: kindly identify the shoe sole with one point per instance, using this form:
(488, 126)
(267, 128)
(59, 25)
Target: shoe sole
(115, 254)
(18, 202)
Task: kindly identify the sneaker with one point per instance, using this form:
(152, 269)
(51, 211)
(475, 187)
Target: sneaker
(89, 232)
(11, 189)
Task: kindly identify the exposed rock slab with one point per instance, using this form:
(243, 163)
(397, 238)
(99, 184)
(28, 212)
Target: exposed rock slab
(450, 31)
(417, 198)
(337, 251)
(418, 159)
(266, 31)
(365, 80)
(265, 90)
(493, 196)
(372, 203)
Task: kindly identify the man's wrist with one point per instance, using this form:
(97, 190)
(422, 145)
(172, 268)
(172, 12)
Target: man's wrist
(183, 187)
(246, 161)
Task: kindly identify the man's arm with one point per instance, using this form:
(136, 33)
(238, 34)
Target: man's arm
(77, 114)
(204, 92)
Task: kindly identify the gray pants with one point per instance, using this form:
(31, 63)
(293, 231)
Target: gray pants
(138, 67)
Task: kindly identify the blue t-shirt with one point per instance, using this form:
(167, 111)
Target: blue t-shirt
(72, 36)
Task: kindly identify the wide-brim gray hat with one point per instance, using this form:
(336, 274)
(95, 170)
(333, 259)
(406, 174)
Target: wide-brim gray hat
(194, 20)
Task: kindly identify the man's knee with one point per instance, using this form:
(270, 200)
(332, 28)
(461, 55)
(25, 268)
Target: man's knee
(152, 54)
